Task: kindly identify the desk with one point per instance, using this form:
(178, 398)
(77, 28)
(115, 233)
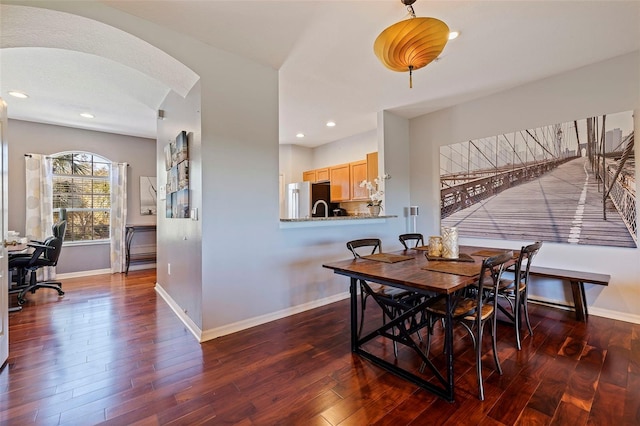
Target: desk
(149, 256)
(408, 275)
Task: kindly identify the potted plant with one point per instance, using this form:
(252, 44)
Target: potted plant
(376, 194)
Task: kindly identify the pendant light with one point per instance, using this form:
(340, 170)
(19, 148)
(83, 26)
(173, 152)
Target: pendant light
(411, 44)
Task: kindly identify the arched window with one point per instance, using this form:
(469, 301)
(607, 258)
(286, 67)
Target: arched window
(81, 186)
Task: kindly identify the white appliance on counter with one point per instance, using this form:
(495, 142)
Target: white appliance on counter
(302, 196)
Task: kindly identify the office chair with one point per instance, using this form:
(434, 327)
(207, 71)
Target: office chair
(45, 254)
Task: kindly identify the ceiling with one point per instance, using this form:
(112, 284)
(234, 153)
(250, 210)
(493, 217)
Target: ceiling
(322, 49)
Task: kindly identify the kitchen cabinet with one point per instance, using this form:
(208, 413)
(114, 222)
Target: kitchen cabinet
(339, 176)
(372, 166)
(317, 175)
(322, 175)
(358, 173)
(345, 178)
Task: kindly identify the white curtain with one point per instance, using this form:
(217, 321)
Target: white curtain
(39, 200)
(118, 216)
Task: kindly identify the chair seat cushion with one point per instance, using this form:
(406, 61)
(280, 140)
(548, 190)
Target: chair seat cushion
(508, 286)
(391, 292)
(23, 262)
(466, 308)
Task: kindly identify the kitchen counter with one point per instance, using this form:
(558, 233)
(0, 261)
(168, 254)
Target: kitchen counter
(333, 221)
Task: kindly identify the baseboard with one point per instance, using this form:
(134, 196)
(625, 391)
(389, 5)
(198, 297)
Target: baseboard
(620, 316)
(101, 271)
(263, 319)
(191, 326)
(599, 312)
(82, 274)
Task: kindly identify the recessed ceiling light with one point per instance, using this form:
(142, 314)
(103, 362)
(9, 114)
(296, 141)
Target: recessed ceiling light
(300, 135)
(87, 115)
(331, 124)
(453, 35)
(17, 94)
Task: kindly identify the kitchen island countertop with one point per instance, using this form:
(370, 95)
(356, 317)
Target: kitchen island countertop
(333, 221)
(315, 219)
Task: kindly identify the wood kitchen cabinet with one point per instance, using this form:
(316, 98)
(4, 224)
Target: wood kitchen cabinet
(339, 176)
(372, 166)
(322, 175)
(345, 178)
(317, 175)
(358, 173)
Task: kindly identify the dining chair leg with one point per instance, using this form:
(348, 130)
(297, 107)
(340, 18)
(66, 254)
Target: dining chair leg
(478, 348)
(526, 314)
(516, 308)
(363, 302)
(494, 332)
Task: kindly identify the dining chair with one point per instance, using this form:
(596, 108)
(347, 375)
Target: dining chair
(516, 291)
(418, 240)
(367, 246)
(473, 308)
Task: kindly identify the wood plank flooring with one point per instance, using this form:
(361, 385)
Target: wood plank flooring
(112, 352)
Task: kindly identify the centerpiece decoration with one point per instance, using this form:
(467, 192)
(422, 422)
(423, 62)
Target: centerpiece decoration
(376, 194)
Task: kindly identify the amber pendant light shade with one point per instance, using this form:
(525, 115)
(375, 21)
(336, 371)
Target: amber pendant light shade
(411, 44)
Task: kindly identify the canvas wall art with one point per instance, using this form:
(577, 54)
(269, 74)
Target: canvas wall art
(571, 182)
(177, 168)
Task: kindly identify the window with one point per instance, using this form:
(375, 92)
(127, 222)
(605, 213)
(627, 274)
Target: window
(81, 185)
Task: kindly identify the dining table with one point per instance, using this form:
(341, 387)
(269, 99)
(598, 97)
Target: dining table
(429, 279)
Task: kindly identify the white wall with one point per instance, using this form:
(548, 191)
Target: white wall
(293, 161)
(180, 240)
(27, 137)
(347, 150)
(607, 87)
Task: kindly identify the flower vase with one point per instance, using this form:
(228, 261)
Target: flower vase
(374, 210)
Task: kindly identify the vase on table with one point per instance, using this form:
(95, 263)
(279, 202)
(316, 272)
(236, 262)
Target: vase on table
(435, 246)
(449, 242)
(374, 210)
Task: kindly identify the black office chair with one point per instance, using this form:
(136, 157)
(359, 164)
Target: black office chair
(417, 238)
(45, 254)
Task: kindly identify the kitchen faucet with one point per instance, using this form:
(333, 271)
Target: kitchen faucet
(326, 207)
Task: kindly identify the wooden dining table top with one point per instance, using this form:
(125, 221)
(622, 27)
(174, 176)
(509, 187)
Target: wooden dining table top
(412, 274)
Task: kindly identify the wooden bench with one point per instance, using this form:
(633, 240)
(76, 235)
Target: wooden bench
(577, 279)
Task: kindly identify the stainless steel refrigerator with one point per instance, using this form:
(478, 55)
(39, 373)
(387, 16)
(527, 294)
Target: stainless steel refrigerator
(302, 196)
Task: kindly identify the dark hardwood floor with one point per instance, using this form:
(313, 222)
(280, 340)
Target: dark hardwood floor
(112, 351)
